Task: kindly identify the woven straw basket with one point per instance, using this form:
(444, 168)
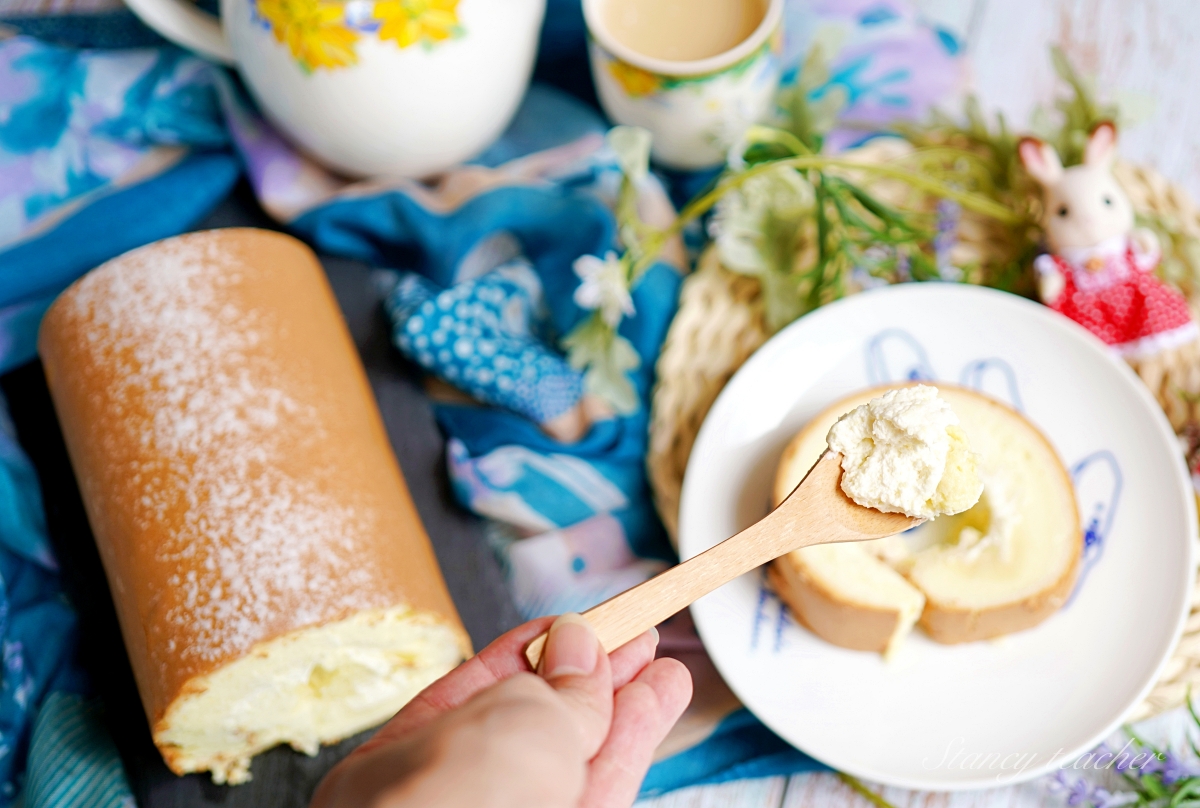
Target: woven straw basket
(720, 324)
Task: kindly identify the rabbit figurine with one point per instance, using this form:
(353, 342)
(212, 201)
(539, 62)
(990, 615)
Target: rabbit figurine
(1100, 271)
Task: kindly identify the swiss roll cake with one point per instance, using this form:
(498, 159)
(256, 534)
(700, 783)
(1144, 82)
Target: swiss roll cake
(272, 579)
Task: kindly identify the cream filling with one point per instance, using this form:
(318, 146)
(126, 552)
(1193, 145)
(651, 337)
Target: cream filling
(904, 452)
(1003, 517)
(306, 688)
(1015, 544)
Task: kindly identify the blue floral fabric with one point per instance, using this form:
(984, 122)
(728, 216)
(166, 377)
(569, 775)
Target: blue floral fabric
(77, 127)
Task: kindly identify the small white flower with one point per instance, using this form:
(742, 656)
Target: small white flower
(604, 287)
(742, 214)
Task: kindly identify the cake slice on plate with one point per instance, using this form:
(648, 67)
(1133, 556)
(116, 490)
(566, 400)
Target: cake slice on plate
(848, 596)
(1002, 566)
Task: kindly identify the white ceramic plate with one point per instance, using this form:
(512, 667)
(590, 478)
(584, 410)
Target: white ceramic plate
(967, 716)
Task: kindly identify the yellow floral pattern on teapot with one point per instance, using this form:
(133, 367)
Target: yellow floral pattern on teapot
(325, 33)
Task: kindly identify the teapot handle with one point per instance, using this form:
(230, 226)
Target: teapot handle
(185, 25)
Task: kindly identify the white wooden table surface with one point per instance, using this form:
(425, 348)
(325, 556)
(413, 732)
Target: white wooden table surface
(824, 790)
(828, 791)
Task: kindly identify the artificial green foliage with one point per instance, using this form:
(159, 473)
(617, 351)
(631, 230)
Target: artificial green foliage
(606, 358)
(761, 230)
(996, 173)
(808, 116)
(594, 346)
(813, 227)
(1180, 263)
(804, 231)
(1078, 113)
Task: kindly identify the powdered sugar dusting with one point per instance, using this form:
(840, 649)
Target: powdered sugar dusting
(257, 549)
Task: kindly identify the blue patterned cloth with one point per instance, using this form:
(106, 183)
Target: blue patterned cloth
(149, 131)
(42, 690)
(495, 280)
(76, 762)
(482, 336)
(104, 150)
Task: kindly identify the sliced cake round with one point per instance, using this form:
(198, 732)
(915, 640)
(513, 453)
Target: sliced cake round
(1002, 566)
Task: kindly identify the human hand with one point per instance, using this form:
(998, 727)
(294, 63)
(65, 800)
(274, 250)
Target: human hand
(491, 734)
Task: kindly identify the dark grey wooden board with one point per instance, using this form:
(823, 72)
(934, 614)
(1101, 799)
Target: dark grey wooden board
(281, 778)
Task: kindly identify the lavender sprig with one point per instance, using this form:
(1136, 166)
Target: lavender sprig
(1079, 793)
(1156, 777)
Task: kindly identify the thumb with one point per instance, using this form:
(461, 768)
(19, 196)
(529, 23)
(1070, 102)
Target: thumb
(576, 667)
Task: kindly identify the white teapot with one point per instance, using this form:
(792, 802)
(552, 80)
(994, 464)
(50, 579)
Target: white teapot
(371, 87)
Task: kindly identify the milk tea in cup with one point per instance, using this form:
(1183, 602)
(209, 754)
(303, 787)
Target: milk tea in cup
(696, 73)
(682, 30)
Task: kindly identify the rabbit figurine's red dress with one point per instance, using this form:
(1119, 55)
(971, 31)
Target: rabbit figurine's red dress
(1112, 291)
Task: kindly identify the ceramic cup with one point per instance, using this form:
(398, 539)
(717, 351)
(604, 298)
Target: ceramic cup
(371, 87)
(695, 109)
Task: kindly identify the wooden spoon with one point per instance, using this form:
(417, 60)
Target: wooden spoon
(816, 512)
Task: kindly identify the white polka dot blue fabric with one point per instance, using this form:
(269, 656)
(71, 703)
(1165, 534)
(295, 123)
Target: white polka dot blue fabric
(486, 336)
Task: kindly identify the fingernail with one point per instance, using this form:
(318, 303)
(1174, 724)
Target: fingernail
(654, 633)
(571, 649)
